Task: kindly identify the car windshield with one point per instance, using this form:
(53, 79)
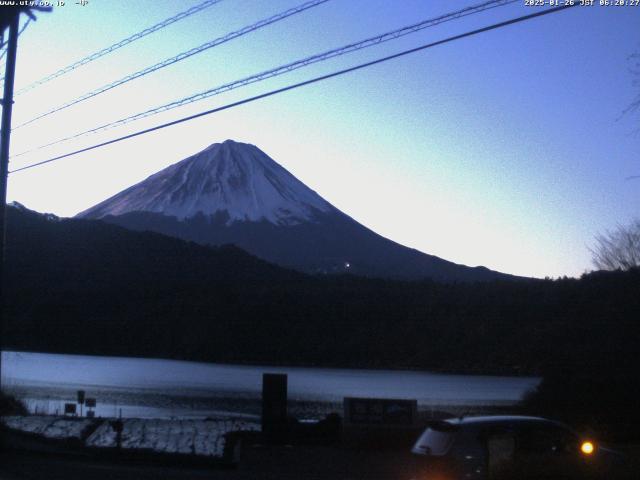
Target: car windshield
(436, 440)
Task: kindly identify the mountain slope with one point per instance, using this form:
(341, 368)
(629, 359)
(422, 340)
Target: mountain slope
(234, 193)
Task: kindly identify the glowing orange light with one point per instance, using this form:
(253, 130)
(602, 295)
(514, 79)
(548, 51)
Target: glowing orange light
(587, 448)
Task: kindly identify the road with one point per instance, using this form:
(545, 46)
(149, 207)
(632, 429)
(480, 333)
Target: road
(20, 465)
(261, 463)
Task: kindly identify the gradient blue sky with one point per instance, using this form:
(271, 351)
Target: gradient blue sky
(505, 149)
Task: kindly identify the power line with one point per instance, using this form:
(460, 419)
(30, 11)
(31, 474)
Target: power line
(369, 42)
(302, 84)
(29, 11)
(137, 36)
(179, 57)
(4, 50)
(24, 27)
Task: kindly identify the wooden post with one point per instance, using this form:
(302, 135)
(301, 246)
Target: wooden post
(5, 137)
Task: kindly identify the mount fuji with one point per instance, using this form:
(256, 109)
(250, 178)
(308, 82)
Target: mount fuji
(233, 193)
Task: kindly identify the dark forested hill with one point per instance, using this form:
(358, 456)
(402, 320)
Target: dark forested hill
(83, 286)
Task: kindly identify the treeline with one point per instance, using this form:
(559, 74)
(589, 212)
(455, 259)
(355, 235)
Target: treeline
(80, 286)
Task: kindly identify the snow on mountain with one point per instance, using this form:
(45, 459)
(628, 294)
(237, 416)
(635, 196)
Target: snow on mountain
(233, 193)
(230, 177)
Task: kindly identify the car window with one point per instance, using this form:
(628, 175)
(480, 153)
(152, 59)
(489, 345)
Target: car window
(546, 439)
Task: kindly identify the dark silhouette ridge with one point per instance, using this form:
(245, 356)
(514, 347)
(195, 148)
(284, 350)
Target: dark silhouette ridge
(81, 286)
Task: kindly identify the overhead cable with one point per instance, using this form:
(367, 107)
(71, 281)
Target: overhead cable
(352, 47)
(179, 57)
(301, 84)
(4, 50)
(126, 41)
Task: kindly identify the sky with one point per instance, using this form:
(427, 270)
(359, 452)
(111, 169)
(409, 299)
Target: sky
(508, 149)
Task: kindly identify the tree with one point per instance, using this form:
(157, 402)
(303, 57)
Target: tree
(618, 249)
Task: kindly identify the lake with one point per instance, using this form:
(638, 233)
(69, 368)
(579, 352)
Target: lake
(142, 387)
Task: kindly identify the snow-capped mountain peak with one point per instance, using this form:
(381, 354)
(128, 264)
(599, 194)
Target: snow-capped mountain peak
(231, 178)
(248, 200)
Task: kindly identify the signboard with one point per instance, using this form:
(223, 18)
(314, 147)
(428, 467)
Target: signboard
(69, 408)
(90, 402)
(380, 411)
(274, 405)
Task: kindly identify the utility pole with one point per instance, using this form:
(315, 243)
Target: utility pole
(5, 137)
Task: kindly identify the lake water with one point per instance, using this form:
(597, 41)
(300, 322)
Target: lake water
(169, 388)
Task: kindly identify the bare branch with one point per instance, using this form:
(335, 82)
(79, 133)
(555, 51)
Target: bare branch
(618, 249)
